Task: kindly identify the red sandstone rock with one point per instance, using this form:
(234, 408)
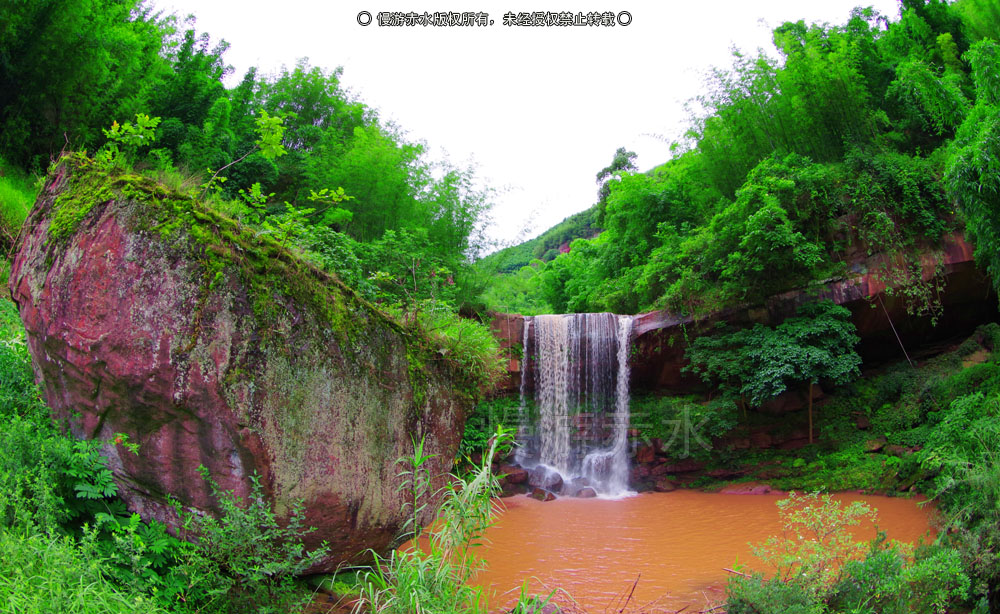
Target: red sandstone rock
(686, 465)
(727, 474)
(645, 454)
(540, 477)
(664, 485)
(658, 470)
(224, 351)
(542, 495)
(761, 440)
(514, 475)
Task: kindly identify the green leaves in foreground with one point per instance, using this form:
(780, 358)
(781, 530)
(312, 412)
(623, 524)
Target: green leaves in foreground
(433, 578)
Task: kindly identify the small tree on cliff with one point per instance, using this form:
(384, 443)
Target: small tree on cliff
(817, 344)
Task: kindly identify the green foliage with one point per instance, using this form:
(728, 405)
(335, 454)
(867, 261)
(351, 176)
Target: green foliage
(622, 162)
(484, 421)
(817, 541)
(685, 426)
(887, 582)
(760, 363)
(465, 342)
(973, 174)
(758, 595)
(874, 583)
(817, 344)
(932, 102)
(416, 486)
(821, 567)
(124, 140)
(42, 572)
(434, 578)
(69, 66)
(247, 559)
(937, 580)
(17, 195)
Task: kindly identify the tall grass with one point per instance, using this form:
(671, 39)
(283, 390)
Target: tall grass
(435, 580)
(17, 195)
(54, 573)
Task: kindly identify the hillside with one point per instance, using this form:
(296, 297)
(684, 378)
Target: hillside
(860, 137)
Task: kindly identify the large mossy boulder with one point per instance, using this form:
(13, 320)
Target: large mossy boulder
(152, 315)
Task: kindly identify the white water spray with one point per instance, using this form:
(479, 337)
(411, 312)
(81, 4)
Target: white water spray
(578, 365)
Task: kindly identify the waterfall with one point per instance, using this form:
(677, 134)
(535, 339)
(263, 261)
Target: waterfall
(576, 431)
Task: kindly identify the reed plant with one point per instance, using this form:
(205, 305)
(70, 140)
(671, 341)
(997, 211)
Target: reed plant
(433, 577)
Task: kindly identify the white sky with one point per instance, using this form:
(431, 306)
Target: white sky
(540, 110)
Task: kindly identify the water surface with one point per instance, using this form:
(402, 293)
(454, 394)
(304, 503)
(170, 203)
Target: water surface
(676, 543)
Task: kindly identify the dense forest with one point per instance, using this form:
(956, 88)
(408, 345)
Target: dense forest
(880, 134)
(394, 225)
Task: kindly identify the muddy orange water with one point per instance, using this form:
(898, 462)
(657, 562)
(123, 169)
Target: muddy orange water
(676, 543)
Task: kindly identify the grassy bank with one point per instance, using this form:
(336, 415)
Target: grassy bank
(17, 194)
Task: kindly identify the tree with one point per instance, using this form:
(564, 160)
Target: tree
(973, 174)
(67, 67)
(623, 160)
(819, 343)
(762, 362)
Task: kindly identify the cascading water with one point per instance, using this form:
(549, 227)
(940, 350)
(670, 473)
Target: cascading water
(576, 366)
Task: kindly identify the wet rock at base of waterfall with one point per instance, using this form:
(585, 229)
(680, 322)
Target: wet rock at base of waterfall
(512, 490)
(541, 477)
(664, 485)
(586, 493)
(542, 495)
(640, 472)
(514, 475)
(645, 455)
(574, 486)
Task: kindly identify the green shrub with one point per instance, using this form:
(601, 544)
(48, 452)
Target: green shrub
(245, 560)
(873, 585)
(983, 378)
(44, 572)
(936, 580)
(18, 393)
(46, 479)
(482, 423)
(817, 540)
(468, 343)
(758, 595)
(685, 425)
(17, 195)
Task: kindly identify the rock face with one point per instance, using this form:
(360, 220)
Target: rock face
(151, 315)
